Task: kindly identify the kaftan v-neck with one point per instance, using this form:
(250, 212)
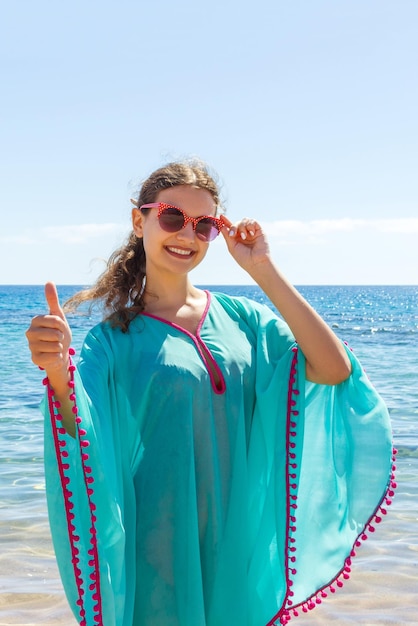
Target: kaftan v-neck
(185, 504)
(215, 374)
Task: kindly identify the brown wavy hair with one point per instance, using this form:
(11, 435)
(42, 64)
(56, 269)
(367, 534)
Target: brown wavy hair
(120, 288)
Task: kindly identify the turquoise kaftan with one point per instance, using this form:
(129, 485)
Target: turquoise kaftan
(209, 484)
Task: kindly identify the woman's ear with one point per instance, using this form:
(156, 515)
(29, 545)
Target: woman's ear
(137, 222)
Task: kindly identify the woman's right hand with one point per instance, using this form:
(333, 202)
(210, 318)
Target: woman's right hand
(49, 337)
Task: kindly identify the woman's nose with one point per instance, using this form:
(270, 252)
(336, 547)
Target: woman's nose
(187, 232)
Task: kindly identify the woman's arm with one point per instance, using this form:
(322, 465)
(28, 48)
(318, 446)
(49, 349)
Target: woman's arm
(326, 359)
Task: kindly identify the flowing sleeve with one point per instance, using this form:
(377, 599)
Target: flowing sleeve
(91, 501)
(320, 475)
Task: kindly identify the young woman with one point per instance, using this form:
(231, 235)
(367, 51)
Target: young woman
(207, 463)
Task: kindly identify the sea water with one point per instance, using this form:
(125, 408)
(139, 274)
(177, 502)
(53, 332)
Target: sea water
(381, 326)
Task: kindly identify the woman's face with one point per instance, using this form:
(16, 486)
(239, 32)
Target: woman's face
(177, 252)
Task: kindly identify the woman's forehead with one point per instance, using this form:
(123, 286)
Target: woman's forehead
(188, 198)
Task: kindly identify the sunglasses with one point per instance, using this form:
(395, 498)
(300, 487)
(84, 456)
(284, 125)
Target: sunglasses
(172, 219)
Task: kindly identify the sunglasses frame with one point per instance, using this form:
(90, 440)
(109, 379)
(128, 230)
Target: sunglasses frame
(162, 206)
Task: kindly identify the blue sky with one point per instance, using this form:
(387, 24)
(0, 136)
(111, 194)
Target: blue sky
(307, 109)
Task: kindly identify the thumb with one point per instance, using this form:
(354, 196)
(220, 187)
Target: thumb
(229, 231)
(52, 299)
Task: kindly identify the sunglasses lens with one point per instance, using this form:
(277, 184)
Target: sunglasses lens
(171, 220)
(207, 229)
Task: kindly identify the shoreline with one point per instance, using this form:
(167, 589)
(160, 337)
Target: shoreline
(381, 592)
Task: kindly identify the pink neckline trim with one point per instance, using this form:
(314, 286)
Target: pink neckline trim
(203, 350)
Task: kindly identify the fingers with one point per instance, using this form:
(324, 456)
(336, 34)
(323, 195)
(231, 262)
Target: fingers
(226, 221)
(47, 334)
(48, 345)
(246, 229)
(52, 299)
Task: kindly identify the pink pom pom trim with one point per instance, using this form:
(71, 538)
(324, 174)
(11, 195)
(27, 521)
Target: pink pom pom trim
(60, 441)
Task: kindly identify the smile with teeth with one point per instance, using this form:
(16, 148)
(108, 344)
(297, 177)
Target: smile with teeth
(180, 251)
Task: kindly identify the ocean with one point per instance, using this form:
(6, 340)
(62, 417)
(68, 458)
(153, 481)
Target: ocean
(381, 326)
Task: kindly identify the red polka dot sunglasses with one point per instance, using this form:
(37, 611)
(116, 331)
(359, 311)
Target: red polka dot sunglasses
(172, 219)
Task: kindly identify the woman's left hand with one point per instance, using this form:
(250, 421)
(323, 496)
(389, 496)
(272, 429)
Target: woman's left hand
(246, 242)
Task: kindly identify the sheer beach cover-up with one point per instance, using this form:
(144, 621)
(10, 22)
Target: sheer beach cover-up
(209, 484)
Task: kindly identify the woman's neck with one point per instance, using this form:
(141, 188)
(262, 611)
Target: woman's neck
(180, 303)
(170, 296)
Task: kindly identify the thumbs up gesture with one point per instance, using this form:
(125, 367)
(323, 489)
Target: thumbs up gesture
(49, 336)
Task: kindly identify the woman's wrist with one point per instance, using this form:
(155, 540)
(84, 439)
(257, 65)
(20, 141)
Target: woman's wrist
(59, 378)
